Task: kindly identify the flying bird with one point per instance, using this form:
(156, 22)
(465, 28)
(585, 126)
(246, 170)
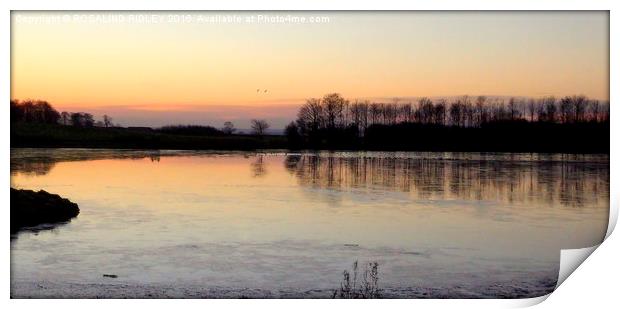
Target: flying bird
(257, 90)
(265, 90)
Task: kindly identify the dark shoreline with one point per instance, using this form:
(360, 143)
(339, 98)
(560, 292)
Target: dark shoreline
(120, 289)
(525, 138)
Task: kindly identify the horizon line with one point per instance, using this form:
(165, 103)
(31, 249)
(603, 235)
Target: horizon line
(288, 102)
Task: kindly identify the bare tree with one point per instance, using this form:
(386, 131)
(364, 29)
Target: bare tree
(456, 113)
(468, 111)
(359, 115)
(425, 106)
(259, 126)
(580, 103)
(333, 107)
(531, 109)
(406, 113)
(375, 112)
(595, 110)
(513, 109)
(480, 111)
(389, 113)
(567, 109)
(547, 109)
(439, 113)
(499, 111)
(363, 110)
(310, 116)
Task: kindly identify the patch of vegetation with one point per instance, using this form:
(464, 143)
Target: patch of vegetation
(190, 130)
(367, 288)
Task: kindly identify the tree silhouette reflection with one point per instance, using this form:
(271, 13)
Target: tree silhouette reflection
(570, 183)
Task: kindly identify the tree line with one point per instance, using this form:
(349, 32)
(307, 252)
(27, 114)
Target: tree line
(333, 111)
(333, 120)
(40, 111)
(573, 124)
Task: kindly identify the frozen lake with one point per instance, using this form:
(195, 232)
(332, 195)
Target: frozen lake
(248, 224)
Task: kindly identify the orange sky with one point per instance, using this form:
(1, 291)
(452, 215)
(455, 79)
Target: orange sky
(113, 60)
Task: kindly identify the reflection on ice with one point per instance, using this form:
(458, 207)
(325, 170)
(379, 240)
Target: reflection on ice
(570, 183)
(247, 224)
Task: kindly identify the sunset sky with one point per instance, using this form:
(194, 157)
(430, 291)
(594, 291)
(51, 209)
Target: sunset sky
(150, 70)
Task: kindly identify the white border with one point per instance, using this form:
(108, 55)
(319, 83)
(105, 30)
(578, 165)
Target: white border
(594, 282)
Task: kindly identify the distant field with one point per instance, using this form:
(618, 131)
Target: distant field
(47, 135)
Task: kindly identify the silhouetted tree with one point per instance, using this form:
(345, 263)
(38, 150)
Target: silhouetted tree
(567, 110)
(390, 115)
(406, 113)
(595, 110)
(333, 107)
(480, 114)
(107, 121)
(375, 113)
(513, 109)
(259, 126)
(547, 109)
(33, 111)
(426, 108)
(229, 128)
(82, 120)
(310, 117)
(439, 113)
(580, 103)
(65, 118)
(456, 114)
(292, 135)
(359, 113)
(468, 111)
(531, 108)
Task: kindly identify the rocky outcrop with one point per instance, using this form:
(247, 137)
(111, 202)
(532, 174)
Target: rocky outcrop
(31, 208)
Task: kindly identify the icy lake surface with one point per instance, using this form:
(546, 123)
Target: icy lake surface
(277, 224)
